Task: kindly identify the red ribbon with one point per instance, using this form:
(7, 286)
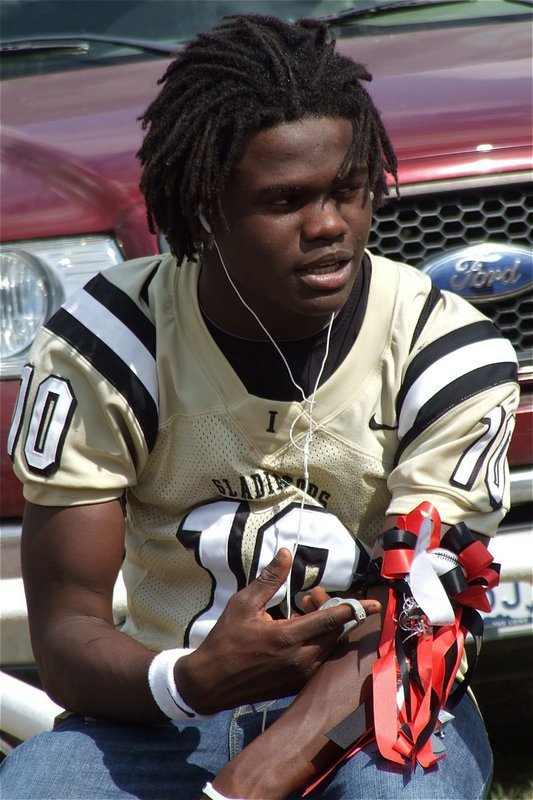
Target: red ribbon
(414, 673)
(433, 653)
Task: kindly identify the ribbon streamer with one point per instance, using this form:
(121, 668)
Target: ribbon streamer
(422, 640)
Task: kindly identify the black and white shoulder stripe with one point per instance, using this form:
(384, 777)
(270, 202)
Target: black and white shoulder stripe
(103, 324)
(448, 371)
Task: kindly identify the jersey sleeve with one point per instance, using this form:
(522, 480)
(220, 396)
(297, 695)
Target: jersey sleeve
(455, 412)
(86, 413)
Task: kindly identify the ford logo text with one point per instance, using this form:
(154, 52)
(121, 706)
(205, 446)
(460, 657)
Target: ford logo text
(484, 272)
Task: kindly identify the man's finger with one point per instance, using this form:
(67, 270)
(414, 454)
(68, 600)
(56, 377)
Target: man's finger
(316, 597)
(317, 623)
(271, 578)
(333, 619)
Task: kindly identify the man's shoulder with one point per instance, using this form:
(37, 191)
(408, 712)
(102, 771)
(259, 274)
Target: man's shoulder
(140, 277)
(418, 300)
(397, 273)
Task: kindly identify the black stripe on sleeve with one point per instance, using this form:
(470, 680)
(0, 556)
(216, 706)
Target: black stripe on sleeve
(124, 309)
(143, 294)
(470, 334)
(111, 367)
(454, 394)
(431, 301)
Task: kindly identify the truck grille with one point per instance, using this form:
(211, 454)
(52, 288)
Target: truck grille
(419, 227)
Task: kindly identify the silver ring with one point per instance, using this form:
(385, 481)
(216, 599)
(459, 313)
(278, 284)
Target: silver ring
(358, 610)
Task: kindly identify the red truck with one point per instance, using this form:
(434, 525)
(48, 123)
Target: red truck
(453, 82)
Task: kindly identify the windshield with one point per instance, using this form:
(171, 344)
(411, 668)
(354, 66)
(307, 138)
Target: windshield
(48, 35)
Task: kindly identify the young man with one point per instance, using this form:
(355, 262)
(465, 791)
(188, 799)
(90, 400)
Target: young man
(245, 415)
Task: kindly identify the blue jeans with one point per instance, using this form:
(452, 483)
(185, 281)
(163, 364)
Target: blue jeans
(94, 760)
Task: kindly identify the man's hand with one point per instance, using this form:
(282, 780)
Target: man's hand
(248, 656)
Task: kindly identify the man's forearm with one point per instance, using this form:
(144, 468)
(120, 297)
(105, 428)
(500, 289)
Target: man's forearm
(295, 748)
(92, 669)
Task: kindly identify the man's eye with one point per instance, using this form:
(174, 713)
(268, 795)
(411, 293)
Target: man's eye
(350, 189)
(284, 201)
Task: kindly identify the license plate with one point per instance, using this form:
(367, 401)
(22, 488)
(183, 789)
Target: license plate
(512, 609)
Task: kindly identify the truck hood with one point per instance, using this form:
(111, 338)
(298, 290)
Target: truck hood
(71, 139)
(438, 95)
(72, 136)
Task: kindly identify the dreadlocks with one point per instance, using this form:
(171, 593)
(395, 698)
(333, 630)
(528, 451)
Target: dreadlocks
(247, 74)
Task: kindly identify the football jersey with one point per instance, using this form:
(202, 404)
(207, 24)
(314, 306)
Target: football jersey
(127, 393)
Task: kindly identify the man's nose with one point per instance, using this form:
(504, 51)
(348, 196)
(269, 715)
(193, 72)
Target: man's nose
(324, 220)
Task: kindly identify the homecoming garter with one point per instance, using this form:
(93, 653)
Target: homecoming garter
(436, 589)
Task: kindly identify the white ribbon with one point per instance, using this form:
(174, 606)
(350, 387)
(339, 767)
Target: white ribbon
(425, 584)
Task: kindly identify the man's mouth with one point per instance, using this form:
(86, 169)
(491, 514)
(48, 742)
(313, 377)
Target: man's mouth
(326, 265)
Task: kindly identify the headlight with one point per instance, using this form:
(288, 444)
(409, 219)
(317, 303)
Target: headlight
(26, 294)
(35, 278)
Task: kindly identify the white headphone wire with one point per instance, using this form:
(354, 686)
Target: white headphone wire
(305, 450)
(307, 410)
(252, 312)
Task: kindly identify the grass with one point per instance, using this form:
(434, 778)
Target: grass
(500, 792)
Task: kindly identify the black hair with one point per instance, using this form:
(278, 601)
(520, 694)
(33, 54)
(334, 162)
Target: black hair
(247, 74)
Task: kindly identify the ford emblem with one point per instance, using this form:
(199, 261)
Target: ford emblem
(483, 272)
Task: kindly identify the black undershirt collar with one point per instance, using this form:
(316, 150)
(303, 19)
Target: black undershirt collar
(260, 367)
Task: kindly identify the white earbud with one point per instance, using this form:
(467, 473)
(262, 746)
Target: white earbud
(203, 220)
(371, 195)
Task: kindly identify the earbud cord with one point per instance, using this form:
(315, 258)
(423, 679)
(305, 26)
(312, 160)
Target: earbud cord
(311, 401)
(252, 312)
(308, 411)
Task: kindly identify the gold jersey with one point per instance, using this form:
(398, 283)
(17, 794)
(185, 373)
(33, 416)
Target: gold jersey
(126, 393)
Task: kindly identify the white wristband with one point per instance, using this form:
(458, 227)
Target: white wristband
(164, 689)
(212, 793)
